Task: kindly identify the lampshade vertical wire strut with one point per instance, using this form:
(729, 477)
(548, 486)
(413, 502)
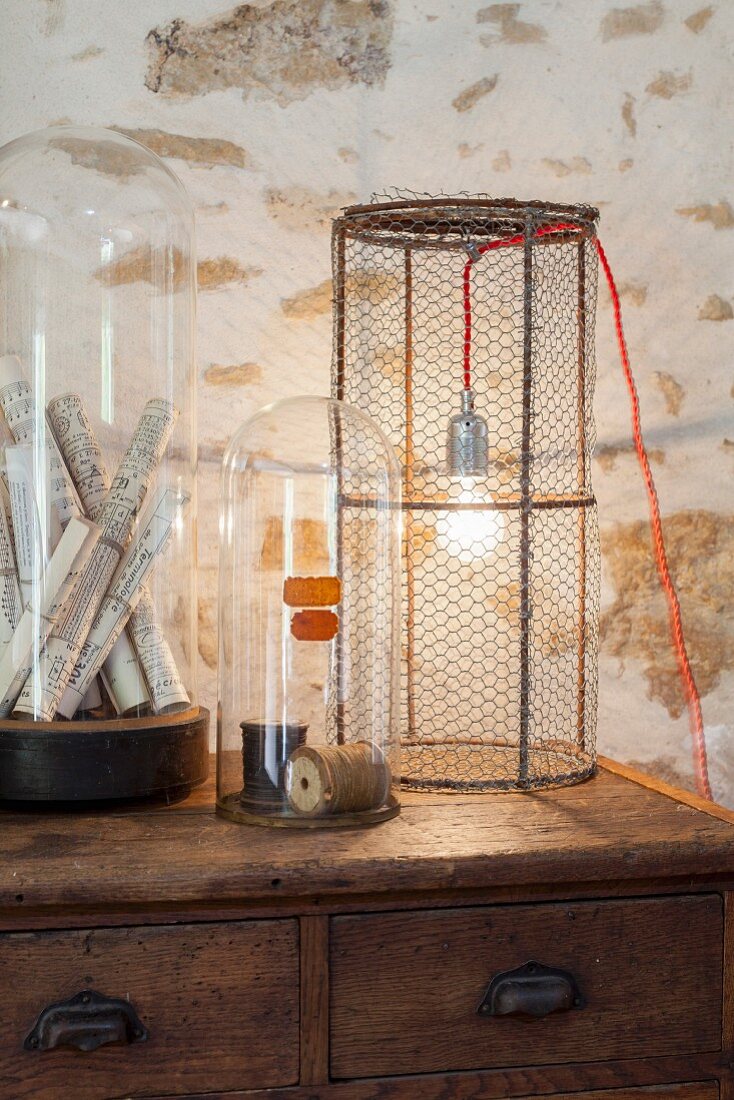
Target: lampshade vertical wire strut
(339, 336)
(693, 698)
(582, 480)
(525, 474)
(409, 488)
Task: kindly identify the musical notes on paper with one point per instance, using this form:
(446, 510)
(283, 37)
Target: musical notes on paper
(141, 664)
(148, 544)
(11, 604)
(72, 553)
(44, 690)
(27, 425)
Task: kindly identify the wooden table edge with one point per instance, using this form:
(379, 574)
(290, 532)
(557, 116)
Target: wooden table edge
(677, 794)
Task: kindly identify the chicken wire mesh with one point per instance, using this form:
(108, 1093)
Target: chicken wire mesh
(501, 571)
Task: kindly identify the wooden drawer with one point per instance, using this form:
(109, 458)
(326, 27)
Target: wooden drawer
(219, 1002)
(405, 987)
(700, 1090)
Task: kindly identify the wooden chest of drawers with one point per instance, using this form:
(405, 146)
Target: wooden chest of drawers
(569, 944)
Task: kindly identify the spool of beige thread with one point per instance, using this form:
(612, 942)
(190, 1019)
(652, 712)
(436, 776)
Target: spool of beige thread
(337, 779)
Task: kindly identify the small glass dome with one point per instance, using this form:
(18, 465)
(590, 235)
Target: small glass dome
(309, 616)
(97, 394)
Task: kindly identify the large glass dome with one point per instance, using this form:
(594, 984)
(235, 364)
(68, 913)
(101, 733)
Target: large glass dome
(97, 391)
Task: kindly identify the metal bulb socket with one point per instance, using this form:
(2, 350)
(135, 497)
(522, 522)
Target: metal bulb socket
(467, 441)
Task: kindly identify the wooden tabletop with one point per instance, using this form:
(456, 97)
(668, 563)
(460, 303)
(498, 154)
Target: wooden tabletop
(617, 826)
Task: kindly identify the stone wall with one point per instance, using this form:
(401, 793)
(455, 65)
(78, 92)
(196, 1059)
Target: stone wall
(278, 112)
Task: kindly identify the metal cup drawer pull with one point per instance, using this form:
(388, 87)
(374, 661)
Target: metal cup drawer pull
(531, 991)
(86, 1021)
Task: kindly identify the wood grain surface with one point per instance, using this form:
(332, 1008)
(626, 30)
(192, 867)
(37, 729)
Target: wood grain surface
(608, 829)
(405, 987)
(220, 1003)
(314, 1000)
(467, 1086)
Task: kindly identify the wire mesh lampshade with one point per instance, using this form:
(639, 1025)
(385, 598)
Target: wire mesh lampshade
(465, 329)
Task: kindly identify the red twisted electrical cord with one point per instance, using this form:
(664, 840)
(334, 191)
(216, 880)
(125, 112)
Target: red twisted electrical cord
(476, 254)
(693, 698)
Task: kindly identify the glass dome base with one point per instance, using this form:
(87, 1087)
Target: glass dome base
(53, 764)
(230, 807)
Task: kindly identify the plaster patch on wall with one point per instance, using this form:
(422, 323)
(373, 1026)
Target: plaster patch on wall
(239, 374)
(55, 16)
(207, 152)
(88, 53)
(304, 209)
(700, 547)
(719, 214)
(639, 19)
(285, 49)
(634, 293)
(715, 309)
(607, 454)
(308, 304)
(136, 266)
(665, 768)
(465, 150)
(626, 164)
(502, 162)
(375, 285)
(349, 156)
(669, 84)
(671, 389)
(575, 166)
(389, 359)
(208, 646)
(104, 156)
(470, 96)
(506, 465)
(420, 537)
(221, 271)
(699, 19)
(628, 114)
(309, 539)
(509, 28)
(504, 600)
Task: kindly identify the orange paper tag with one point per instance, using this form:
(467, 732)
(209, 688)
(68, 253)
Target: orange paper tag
(314, 626)
(312, 591)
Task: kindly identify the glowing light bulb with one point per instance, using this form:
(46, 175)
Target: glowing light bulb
(471, 533)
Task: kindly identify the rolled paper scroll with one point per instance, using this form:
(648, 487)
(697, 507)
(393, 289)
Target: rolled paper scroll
(84, 460)
(146, 647)
(62, 574)
(30, 549)
(58, 497)
(30, 540)
(19, 408)
(5, 493)
(145, 551)
(117, 515)
(11, 603)
(161, 671)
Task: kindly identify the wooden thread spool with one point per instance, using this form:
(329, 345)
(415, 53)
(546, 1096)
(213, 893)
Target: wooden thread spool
(337, 779)
(266, 747)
